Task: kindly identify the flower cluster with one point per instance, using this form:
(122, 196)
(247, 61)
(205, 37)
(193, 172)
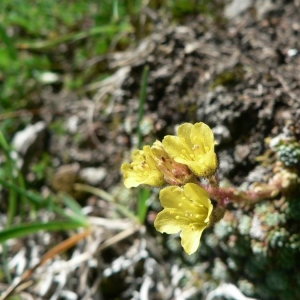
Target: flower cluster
(178, 161)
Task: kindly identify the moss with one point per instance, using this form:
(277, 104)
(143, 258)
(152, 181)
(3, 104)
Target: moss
(229, 78)
(292, 209)
(277, 281)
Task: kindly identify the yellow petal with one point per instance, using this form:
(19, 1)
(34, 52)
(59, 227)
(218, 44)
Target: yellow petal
(194, 147)
(190, 239)
(133, 180)
(176, 148)
(199, 196)
(202, 134)
(202, 168)
(170, 197)
(142, 170)
(166, 221)
(184, 133)
(187, 209)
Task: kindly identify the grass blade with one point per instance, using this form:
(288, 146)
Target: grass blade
(74, 212)
(142, 207)
(142, 104)
(25, 229)
(72, 37)
(142, 193)
(107, 197)
(12, 51)
(10, 168)
(36, 199)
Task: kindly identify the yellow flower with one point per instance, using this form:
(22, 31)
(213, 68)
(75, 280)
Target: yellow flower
(194, 147)
(174, 173)
(186, 209)
(142, 170)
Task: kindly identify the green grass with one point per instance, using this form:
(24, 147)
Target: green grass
(23, 207)
(62, 37)
(20, 199)
(55, 36)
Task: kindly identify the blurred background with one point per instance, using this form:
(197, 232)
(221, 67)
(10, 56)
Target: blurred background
(83, 83)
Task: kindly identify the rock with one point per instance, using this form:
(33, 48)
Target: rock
(65, 178)
(28, 137)
(241, 153)
(237, 7)
(73, 123)
(28, 144)
(93, 176)
(227, 290)
(65, 175)
(47, 77)
(222, 134)
(269, 8)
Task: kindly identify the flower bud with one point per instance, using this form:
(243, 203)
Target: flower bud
(173, 172)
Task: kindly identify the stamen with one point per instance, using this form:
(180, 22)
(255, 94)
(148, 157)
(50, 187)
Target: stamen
(191, 226)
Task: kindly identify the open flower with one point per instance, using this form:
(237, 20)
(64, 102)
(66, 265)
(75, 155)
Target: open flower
(186, 209)
(194, 147)
(142, 170)
(174, 173)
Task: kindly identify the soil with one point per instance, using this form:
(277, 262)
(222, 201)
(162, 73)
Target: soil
(240, 77)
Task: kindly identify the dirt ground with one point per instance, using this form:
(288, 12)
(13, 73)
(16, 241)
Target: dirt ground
(241, 76)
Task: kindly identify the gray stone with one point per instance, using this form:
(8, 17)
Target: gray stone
(237, 7)
(27, 137)
(93, 176)
(28, 144)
